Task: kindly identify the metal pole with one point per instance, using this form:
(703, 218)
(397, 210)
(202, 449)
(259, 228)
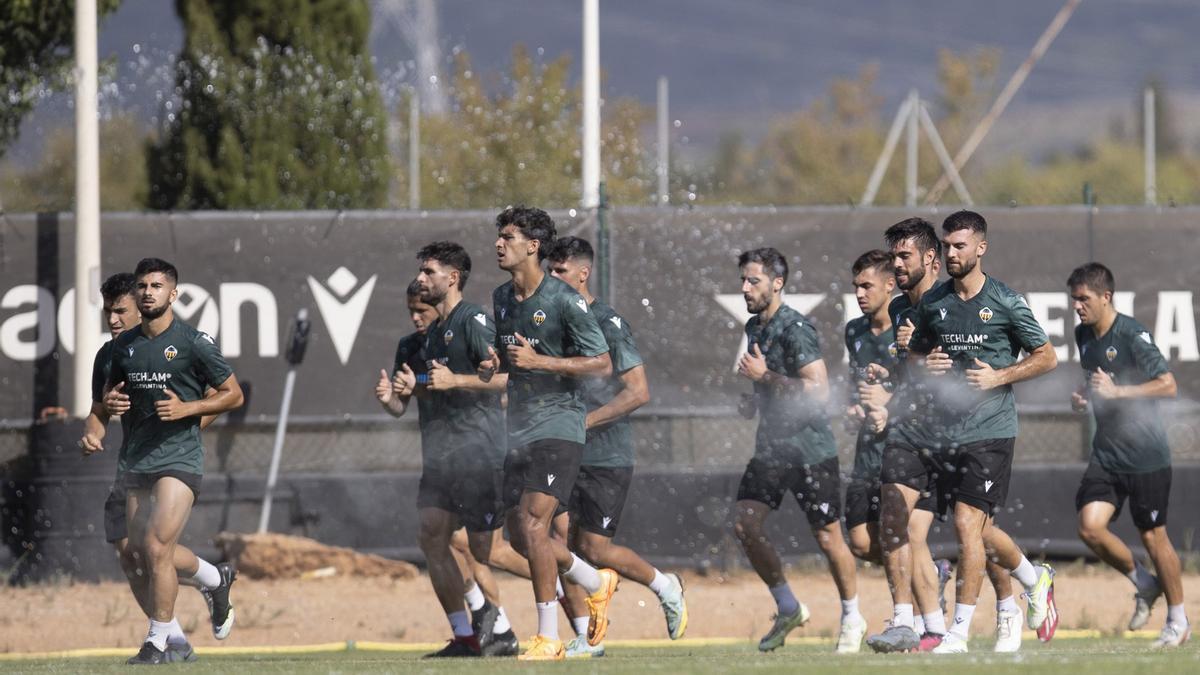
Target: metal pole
(277, 451)
(664, 143)
(939, 149)
(87, 206)
(1148, 141)
(910, 166)
(414, 151)
(885, 157)
(604, 248)
(591, 104)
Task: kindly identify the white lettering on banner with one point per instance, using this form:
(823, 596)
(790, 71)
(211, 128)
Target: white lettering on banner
(735, 304)
(39, 321)
(66, 322)
(850, 311)
(233, 296)
(342, 318)
(1175, 326)
(196, 306)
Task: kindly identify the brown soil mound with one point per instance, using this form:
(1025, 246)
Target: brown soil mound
(281, 556)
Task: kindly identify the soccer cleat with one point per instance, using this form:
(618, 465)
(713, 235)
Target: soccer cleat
(501, 644)
(1038, 599)
(459, 646)
(544, 649)
(944, 570)
(895, 639)
(1142, 604)
(483, 622)
(1172, 636)
(219, 607)
(783, 625)
(148, 655)
(180, 653)
(851, 638)
(597, 604)
(930, 641)
(578, 648)
(951, 644)
(674, 607)
(1008, 631)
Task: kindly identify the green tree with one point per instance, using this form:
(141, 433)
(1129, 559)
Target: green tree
(36, 44)
(279, 109)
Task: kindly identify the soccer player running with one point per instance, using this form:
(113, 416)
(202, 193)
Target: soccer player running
(455, 488)
(1126, 376)
(967, 335)
(119, 293)
(606, 470)
(160, 372)
(794, 447)
(547, 339)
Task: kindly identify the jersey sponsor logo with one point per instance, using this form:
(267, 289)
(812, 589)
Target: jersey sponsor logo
(480, 318)
(1110, 353)
(550, 479)
(605, 521)
(1145, 335)
(170, 353)
(342, 310)
(987, 485)
(512, 340)
(985, 314)
(581, 304)
(448, 336)
(942, 311)
(616, 321)
(539, 318)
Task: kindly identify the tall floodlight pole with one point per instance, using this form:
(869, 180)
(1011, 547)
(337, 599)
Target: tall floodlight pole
(910, 165)
(87, 206)
(414, 151)
(1148, 142)
(664, 142)
(591, 104)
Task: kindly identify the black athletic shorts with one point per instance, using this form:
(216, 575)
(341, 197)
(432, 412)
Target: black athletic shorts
(1148, 493)
(599, 497)
(473, 496)
(115, 526)
(976, 473)
(862, 502)
(146, 481)
(548, 466)
(919, 469)
(817, 487)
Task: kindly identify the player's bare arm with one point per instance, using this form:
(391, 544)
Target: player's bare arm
(388, 396)
(94, 429)
(442, 378)
(635, 393)
(1162, 386)
(523, 355)
(1040, 360)
(228, 397)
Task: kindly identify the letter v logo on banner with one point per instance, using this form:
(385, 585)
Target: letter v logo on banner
(342, 317)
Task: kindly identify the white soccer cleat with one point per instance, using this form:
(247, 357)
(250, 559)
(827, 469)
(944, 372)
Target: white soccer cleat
(951, 644)
(1142, 604)
(1008, 632)
(1172, 636)
(851, 638)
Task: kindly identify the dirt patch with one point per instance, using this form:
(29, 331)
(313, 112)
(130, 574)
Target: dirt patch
(309, 611)
(281, 556)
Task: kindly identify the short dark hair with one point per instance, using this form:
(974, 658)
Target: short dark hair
(919, 230)
(414, 290)
(964, 220)
(151, 265)
(773, 262)
(121, 283)
(1094, 275)
(449, 254)
(571, 248)
(534, 223)
(880, 261)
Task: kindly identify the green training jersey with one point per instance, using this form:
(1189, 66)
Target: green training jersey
(411, 350)
(908, 410)
(612, 444)
(865, 348)
(791, 427)
(993, 326)
(187, 362)
(556, 321)
(1129, 432)
(101, 366)
(466, 426)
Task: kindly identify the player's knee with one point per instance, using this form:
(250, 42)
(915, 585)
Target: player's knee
(860, 544)
(746, 528)
(592, 547)
(433, 542)
(1090, 534)
(156, 551)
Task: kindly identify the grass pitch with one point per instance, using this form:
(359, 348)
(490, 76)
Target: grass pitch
(1093, 656)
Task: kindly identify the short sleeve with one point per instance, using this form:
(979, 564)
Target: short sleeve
(803, 347)
(481, 334)
(621, 346)
(100, 371)
(210, 363)
(581, 327)
(922, 340)
(848, 339)
(116, 374)
(1025, 327)
(1146, 355)
(406, 350)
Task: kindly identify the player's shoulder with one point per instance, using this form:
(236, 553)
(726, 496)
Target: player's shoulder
(602, 310)
(125, 337)
(411, 343)
(858, 325)
(1083, 334)
(503, 292)
(1130, 328)
(940, 291)
(795, 322)
(557, 288)
(899, 304)
(1002, 292)
(469, 313)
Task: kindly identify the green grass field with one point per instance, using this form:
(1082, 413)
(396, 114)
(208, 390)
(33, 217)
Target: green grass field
(1063, 657)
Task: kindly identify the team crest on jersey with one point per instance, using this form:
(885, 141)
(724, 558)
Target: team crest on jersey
(539, 318)
(170, 352)
(448, 336)
(581, 304)
(985, 314)
(893, 350)
(1110, 353)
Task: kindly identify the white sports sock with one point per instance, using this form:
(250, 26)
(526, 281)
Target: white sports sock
(1008, 604)
(159, 632)
(850, 609)
(502, 624)
(661, 583)
(176, 636)
(474, 597)
(558, 589)
(583, 574)
(548, 619)
(580, 624)
(1176, 615)
(784, 600)
(902, 615)
(935, 622)
(206, 575)
(962, 620)
(460, 623)
(919, 624)
(1026, 573)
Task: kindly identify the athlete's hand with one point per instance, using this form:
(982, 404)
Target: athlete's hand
(856, 413)
(171, 408)
(748, 406)
(872, 395)
(91, 443)
(404, 382)
(441, 378)
(488, 366)
(1102, 384)
(753, 364)
(522, 355)
(983, 376)
(116, 401)
(904, 334)
(1079, 401)
(938, 362)
(383, 388)
(877, 373)
(877, 420)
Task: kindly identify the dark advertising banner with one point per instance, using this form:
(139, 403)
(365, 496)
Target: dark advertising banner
(244, 276)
